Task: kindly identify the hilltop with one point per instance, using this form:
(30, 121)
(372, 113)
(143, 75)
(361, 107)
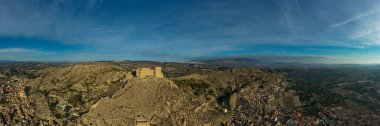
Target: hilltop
(107, 93)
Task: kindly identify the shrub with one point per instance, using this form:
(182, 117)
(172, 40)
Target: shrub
(76, 100)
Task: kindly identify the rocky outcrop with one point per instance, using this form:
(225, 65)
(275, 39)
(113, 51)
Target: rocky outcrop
(42, 110)
(158, 100)
(107, 94)
(92, 79)
(142, 97)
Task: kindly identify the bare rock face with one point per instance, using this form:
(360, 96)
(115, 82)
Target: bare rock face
(41, 106)
(66, 93)
(232, 101)
(106, 94)
(158, 100)
(155, 99)
(91, 80)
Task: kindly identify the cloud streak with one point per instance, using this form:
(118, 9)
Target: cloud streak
(16, 50)
(175, 30)
(356, 18)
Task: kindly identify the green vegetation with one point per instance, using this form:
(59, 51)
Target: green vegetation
(27, 90)
(354, 87)
(44, 92)
(199, 86)
(110, 69)
(330, 98)
(311, 111)
(372, 106)
(116, 69)
(76, 100)
(52, 81)
(53, 105)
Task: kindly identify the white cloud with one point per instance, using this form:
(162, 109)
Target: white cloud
(16, 50)
(358, 17)
(205, 28)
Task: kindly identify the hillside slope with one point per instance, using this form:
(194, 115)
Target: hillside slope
(158, 100)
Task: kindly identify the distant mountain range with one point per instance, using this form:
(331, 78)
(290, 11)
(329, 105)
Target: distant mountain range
(234, 62)
(8, 61)
(248, 62)
(3, 61)
(231, 62)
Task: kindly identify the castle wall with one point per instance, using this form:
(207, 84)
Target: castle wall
(143, 72)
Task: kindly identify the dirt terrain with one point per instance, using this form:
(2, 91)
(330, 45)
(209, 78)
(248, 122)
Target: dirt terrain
(107, 93)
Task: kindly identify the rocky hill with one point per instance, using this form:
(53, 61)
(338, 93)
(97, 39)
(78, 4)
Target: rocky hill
(107, 94)
(158, 100)
(91, 80)
(250, 96)
(68, 92)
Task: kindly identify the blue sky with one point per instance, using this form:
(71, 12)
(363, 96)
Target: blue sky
(323, 31)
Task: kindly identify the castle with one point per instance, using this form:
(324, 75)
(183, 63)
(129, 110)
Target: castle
(143, 72)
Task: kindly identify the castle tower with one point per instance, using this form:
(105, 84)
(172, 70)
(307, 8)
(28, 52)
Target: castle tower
(138, 72)
(158, 72)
